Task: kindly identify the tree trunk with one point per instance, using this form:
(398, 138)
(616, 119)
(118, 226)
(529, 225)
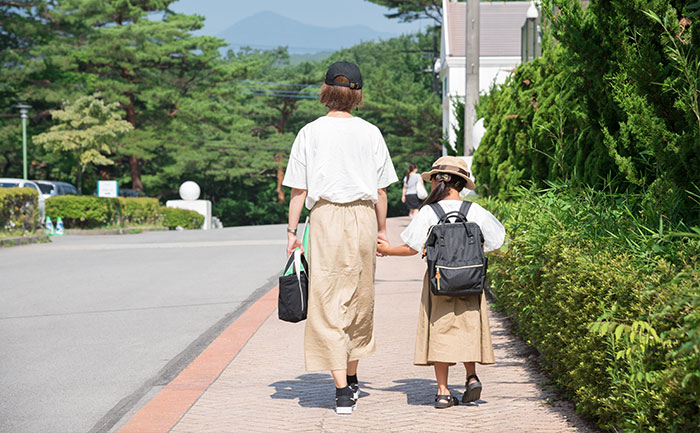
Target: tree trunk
(135, 164)
(280, 177)
(79, 179)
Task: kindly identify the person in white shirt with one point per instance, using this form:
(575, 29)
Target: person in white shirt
(409, 195)
(340, 167)
(450, 330)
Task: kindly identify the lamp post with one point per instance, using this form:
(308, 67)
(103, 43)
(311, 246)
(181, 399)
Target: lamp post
(23, 111)
(530, 44)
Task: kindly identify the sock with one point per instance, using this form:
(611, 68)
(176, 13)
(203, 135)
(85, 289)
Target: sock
(352, 379)
(343, 391)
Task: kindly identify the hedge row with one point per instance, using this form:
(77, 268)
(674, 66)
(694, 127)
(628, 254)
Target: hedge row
(612, 305)
(91, 212)
(19, 209)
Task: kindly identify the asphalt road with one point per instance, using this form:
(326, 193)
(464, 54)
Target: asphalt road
(91, 327)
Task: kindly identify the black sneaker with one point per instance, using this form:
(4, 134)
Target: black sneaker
(355, 390)
(344, 400)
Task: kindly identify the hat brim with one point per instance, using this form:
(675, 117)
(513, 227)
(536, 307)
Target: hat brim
(470, 184)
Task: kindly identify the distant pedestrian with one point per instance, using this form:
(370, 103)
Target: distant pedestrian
(409, 195)
(450, 329)
(340, 166)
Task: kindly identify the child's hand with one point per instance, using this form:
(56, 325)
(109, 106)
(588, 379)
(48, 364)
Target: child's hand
(382, 247)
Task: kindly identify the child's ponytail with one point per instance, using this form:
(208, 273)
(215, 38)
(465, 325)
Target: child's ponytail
(442, 189)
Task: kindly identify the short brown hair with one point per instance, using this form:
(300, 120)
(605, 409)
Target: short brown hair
(340, 98)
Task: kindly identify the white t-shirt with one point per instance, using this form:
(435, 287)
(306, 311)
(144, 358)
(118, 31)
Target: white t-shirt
(494, 233)
(411, 183)
(340, 160)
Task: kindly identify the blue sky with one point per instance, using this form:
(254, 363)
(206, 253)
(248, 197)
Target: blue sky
(220, 14)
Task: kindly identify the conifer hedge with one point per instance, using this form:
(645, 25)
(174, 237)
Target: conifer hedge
(614, 103)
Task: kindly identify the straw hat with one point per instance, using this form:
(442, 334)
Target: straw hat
(451, 165)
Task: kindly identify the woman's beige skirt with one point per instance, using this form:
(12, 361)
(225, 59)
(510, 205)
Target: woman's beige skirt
(452, 330)
(342, 254)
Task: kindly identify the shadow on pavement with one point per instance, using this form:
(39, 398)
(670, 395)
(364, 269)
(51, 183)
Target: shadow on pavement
(312, 390)
(421, 392)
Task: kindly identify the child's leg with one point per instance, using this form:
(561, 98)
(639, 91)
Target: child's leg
(441, 371)
(471, 369)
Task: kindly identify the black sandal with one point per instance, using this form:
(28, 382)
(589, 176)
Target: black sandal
(450, 401)
(473, 390)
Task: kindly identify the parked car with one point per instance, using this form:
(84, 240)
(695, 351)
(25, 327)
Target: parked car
(7, 182)
(50, 188)
(131, 193)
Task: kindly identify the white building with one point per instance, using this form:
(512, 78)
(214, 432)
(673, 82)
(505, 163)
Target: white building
(499, 48)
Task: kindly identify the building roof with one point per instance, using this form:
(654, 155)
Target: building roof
(499, 32)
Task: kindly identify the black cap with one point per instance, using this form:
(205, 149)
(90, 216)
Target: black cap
(347, 70)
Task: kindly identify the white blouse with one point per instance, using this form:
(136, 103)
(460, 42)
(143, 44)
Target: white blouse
(340, 160)
(494, 233)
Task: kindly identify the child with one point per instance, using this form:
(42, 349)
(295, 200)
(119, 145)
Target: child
(450, 329)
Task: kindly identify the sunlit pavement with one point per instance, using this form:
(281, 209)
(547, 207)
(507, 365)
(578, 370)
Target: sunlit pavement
(260, 385)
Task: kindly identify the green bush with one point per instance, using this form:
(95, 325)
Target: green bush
(91, 212)
(140, 211)
(612, 304)
(83, 211)
(187, 219)
(19, 210)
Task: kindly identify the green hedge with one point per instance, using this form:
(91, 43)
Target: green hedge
(188, 219)
(19, 210)
(83, 211)
(91, 212)
(612, 305)
(140, 211)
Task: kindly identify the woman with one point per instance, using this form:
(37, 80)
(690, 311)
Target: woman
(340, 167)
(409, 195)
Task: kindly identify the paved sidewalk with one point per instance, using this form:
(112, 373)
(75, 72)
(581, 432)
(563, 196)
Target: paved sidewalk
(265, 388)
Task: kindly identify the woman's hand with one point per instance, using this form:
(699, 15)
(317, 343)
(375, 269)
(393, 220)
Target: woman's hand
(403, 199)
(292, 243)
(382, 247)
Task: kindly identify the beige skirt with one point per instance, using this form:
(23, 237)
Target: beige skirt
(452, 330)
(342, 258)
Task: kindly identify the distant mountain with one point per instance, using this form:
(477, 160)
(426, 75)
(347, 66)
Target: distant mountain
(266, 30)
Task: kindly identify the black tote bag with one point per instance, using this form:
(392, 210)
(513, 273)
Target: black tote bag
(292, 304)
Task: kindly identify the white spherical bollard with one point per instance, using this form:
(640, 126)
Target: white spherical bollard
(189, 190)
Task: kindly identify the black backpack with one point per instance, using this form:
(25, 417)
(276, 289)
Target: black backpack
(455, 254)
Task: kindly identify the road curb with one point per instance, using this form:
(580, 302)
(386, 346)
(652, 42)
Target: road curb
(121, 231)
(23, 240)
(164, 410)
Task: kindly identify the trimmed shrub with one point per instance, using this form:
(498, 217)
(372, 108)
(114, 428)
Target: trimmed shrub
(19, 209)
(612, 304)
(139, 211)
(83, 211)
(187, 219)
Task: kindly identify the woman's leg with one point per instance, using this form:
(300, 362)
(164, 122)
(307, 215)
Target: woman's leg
(340, 376)
(441, 371)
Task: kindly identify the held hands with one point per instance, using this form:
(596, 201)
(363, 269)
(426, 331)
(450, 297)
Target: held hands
(382, 247)
(292, 243)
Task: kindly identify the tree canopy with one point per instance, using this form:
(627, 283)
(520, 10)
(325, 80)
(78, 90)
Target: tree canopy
(224, 120)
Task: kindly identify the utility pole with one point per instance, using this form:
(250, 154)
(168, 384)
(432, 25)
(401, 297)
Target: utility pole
(23, 111)
(472, 73)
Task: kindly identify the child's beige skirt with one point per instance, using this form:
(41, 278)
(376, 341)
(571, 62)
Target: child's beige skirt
(452, 330)
(342, 254)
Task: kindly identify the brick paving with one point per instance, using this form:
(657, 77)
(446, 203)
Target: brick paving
(265, 388)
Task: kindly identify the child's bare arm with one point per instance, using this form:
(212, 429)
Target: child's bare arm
(385, 249)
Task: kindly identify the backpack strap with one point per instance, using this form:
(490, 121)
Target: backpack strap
(464, 208)
(438, 210)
